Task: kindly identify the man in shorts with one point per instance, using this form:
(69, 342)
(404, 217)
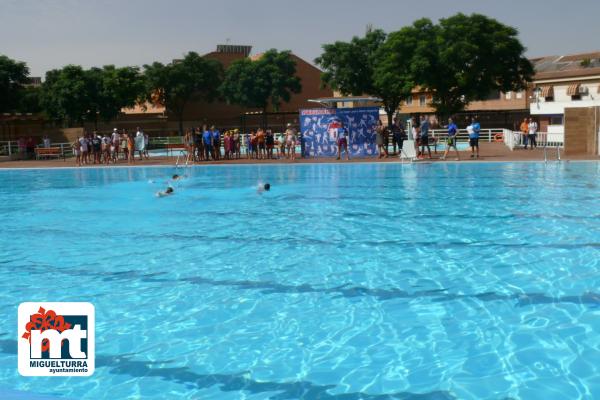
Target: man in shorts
(451, 141)
(473, 131)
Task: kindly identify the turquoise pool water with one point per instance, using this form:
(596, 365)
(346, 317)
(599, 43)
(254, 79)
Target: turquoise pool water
(363, 281)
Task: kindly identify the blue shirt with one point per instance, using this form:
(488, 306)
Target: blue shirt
(216, 134)
(476, 129)
(425, 128)
(452, 129)
(207, 137)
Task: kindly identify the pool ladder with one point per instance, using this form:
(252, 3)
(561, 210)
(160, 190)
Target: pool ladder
(182, 153)
(546, 153)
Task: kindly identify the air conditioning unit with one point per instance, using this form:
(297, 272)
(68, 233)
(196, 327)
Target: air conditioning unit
(583, 90)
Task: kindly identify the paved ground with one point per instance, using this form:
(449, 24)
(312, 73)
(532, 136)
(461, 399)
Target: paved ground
(489, 152)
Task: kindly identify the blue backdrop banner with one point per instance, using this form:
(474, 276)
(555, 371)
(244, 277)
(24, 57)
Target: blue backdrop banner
(319, 127)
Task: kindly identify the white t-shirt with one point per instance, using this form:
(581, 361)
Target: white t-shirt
(533, 128)
(83, 143)
(470, 129)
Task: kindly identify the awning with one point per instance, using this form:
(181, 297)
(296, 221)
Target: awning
(573, 89)
(547, 91)
(330, 101)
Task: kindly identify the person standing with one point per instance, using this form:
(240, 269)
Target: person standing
(380, 132)
(97, 148)
(140, 143)
(207, 140)
(397, 136)
(451, 141)
(146, 145)
(199, 144)
(342, 142)
(533, 128)
(260, 140)
(115, 142)
(424, 136)
(216, 135)
(290, 141)
(76, 147)
(473, 131)
(270, 142)
(130, 147)
(524, 131)
(83, 145)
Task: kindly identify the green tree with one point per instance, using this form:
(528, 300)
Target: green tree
(13, 75)
(30, 100)
(174, 85)
(364, 66)
(74, 95)
(111, 89)
(65, 95)
(466, 57)
(269, 80)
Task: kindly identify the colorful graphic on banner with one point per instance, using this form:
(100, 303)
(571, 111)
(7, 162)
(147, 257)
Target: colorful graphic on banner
(320, 127)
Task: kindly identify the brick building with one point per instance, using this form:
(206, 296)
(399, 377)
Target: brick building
(157, 119)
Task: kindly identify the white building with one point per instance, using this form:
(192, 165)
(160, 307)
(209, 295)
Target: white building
(561, 82)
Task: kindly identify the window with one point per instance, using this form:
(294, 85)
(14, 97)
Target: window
(556, 120)
(493, 95)
(422, 100)
(508, 95)
(409, 101)
(576, 97)
(549, 98)
(519, 95)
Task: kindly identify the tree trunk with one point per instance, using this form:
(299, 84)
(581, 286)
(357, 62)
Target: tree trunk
(264, 119)
(390, 115)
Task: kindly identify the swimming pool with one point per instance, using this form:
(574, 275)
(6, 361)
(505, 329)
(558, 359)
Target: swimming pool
(357, 281)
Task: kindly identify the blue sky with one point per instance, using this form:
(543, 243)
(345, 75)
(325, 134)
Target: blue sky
(52, 33)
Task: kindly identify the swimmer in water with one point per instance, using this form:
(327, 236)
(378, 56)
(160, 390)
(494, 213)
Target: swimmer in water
(263, 188)
(169, 191)
(177, 177)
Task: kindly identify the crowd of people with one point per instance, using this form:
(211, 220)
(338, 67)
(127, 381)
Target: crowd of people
(210, 144)
(420, 133)
(204, 144)
(95, 148)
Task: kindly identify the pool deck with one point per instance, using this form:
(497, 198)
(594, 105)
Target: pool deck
(489, 152)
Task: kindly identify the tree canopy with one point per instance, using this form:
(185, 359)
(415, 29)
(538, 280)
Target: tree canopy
(348, 67)
(174, 85)
(75, 95)
(270, 79)
(111, 89)
(13, 77)
(461, 59)
(466, 57)
(65, 95)
(364, 66)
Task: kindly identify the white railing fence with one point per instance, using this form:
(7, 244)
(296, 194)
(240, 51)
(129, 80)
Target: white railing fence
(512, 139)
(516, 139)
